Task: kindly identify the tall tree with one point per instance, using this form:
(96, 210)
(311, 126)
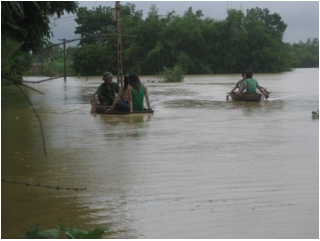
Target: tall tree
(265, 45)
(96, 54)
(94, 22)
(233, 42)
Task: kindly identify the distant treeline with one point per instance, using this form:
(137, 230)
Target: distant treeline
(196, 44)
(191, 42)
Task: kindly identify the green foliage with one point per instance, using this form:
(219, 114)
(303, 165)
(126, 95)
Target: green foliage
(93, 22)
(52, 61)
(92, 59)
(207, 46)
(95, 54)
(25, 28)
(29, 22)
(70, 233)
(198, 45)
(15, 63)
(251, 40)
(171, 75)
(306, 54)
(73, 233)
(34, 233)
(56, 68)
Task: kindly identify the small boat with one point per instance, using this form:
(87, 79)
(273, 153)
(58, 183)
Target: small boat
(247, 97)
(102, 110)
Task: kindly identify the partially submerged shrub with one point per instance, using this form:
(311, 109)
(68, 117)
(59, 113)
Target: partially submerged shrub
(315, 114)
(171, 75)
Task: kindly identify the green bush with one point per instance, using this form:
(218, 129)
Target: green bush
(171, 75)
(56, 68)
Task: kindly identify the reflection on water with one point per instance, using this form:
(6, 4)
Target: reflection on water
(136, 119)
(199, 167)
(124, 126)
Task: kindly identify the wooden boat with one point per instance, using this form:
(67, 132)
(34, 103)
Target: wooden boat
(102, 110)
(247, 97)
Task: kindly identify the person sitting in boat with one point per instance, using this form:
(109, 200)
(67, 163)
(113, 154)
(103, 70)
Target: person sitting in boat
(121, 102)
(239, 85)
(107, 91)
(137, 91)
(251, 85)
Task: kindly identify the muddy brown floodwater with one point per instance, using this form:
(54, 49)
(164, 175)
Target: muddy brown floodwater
(199, 167)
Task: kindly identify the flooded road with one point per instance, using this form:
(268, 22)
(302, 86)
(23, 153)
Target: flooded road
(199, 167)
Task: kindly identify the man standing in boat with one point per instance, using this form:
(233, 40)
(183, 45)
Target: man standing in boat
(107, 91)
(251, 85)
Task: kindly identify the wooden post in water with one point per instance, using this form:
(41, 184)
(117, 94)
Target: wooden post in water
(64, 55)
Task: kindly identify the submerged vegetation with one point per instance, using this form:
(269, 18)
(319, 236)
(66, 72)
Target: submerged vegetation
(315, 114)
(69, 232)
(171, 75)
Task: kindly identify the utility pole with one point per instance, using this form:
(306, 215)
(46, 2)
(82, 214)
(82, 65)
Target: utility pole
(119, 45)
(64, 56)
(50, 65)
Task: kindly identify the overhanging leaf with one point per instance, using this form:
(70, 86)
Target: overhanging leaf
(33, 233)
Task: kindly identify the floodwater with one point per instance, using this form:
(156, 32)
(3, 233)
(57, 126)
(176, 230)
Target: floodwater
(199, 167)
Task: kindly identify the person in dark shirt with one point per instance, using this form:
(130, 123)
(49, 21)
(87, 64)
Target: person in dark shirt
(107, 91)
(239, 84)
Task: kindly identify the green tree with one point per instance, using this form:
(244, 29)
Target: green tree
(26, 25)
(29, 22)
(94, 22)
(306, 54)
(98, 54)
(265, 43)
(195, 44)
(233, 43)
(132, 23)
(91, 60)
(149, 42)
(186, 43)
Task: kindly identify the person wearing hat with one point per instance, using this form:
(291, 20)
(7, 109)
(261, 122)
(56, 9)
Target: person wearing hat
(107, 91)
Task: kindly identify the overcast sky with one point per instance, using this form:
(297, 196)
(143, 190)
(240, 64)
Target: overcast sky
(301, 17)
